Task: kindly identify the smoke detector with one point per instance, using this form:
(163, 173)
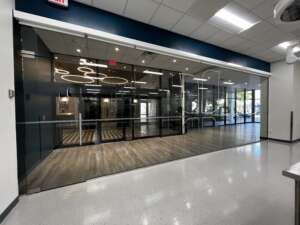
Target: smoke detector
(286, 11)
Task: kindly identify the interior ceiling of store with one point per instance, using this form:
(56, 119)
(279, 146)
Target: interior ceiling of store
(192, 18)
(67, 45)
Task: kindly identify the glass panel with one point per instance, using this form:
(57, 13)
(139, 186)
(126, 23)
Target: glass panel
(230, 106)
(240, 101)
(257, 105)
(249, 113)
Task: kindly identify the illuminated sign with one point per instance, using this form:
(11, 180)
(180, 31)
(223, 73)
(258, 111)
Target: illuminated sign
(64, 3)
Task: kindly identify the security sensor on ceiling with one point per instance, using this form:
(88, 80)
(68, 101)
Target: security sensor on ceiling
(287, 12)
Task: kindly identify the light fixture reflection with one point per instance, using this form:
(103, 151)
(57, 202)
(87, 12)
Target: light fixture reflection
(85, 70)
(152, 72)
(200, 79)
(84, 62)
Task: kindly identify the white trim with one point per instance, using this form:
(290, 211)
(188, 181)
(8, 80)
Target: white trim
(51, 24)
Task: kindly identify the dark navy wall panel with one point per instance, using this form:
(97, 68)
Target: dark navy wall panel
(98, 19)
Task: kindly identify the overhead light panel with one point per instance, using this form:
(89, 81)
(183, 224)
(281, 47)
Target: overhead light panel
(152, 72)
(234, 18)
(202, 88)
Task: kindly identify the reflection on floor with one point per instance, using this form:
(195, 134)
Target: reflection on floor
(72, 165)
(238, 186)
(71, 137)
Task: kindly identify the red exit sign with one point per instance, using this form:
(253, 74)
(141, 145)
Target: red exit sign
(64, 3)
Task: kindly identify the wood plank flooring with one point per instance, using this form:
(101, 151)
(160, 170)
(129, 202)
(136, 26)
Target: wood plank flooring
(72, 165)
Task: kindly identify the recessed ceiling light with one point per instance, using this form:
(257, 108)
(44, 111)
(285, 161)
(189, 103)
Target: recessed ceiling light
(56, 57)
(187, 69)
(117, 49)
(152, 72)
(143, 61)
(234, 18)
(78, 50)
(174, 60)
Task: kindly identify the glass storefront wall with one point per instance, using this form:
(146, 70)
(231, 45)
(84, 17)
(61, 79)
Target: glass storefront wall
(79, 91)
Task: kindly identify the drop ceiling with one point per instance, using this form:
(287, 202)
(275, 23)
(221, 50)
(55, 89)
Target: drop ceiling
(192, 18)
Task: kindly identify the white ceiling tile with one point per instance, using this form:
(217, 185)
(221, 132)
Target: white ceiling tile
(204, 9)
(180, 5)
(234, 41)
(219, 37)
(258, 32)
(205, 31)
(265, 9)
(187, 25)
(115, 6)
(166, 17)
(141, 10)
(250, 4)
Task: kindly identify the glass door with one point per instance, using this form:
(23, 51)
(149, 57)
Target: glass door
(146, 123)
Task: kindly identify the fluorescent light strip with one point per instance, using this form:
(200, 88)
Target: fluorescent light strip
(200, 79)
(123, 91)
(153, 93)
(152, 72)
(233, 19)
(133, 88)
(202, 88)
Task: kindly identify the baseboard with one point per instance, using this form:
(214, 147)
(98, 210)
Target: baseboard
(280, 140)
(8, 209)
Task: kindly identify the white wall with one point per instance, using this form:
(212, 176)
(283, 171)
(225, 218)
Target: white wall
(8, 155)
(280, 100)
(296, 95)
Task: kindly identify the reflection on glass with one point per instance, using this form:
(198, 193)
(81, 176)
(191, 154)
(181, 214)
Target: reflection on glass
(249, 114)
(240, 98)
(257, 105)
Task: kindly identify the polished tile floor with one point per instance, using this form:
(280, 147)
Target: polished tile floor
(238, 186)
